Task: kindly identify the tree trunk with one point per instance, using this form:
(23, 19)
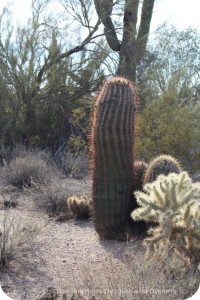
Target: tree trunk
(127, 57)
(133, 45)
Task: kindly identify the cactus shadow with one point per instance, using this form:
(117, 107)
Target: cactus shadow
(83, 223)
(124, 251)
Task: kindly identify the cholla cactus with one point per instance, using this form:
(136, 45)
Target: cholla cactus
(173, 202)
(79, 206)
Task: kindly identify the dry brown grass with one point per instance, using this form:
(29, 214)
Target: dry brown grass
(15, 234)
(72, 258)
(51, 198)
(75, 165)
(23, 171)
(137, 279)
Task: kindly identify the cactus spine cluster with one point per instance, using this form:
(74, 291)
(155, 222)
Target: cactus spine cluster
(163, 164)
(112, 149)
(173, 202)
(79, 206)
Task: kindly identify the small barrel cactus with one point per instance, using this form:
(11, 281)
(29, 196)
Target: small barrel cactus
(112, 150)
(79, 206)
(163, 164)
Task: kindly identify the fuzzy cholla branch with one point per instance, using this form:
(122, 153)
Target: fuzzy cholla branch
(173, 202)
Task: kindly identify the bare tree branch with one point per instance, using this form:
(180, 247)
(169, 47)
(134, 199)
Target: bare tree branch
(132, 47)
(76, 49)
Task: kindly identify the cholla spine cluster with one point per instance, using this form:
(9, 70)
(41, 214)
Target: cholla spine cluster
(173, 202)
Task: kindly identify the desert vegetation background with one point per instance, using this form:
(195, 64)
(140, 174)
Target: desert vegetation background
(51, 70)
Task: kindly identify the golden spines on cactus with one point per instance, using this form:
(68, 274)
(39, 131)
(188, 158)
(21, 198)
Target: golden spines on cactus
(173, 202)
(112, 151)
(162, 164)
(79, 206)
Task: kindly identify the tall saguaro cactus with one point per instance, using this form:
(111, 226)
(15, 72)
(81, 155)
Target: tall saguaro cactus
(112, 147)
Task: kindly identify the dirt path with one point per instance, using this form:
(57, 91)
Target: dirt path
(62, 255)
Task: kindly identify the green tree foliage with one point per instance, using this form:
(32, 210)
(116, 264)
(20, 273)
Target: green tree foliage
(168, 84)
(50, 71)
(168, 127)
(171, 64)
(40, 90)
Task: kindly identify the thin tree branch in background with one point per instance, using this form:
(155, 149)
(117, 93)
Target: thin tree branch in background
(85, 14)
(76, 49)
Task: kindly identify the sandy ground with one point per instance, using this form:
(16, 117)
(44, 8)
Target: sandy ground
(61, 253)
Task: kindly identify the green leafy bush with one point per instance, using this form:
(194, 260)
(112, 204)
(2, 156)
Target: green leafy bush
(166, 126)
(173, 202)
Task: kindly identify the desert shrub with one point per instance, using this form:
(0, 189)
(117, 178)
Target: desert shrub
(15, 234)
(166, 126)
(8, 197)
(51, 198)
(11, 153)
(79, 206)
(75, 165)
(173, 202)
(22, 171)
(76, 144)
